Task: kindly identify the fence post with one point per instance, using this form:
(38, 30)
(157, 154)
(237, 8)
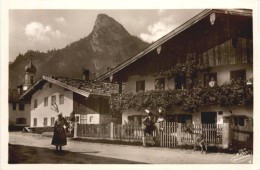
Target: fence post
(75, 129)
(111, 130)
(225, 136)
(179, 134)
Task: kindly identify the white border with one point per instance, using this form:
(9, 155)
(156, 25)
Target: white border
(120, 4)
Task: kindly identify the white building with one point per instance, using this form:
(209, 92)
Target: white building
(19, 110)
(79, 100)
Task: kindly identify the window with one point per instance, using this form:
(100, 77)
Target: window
(35, 122)
(31, 79)
(50, 85)
(61, 98)
(53, 99)
(140, 86)
(179, 82)
(21, 121)
(160, 83)
(83, 119)
(14, 106)
(77, 119)
(45, 101)
(238, 75)
(209, 77)
(91, 119)
(52, 121)
(21, 106)
(239, 120)
(35, 103)
(45, 121)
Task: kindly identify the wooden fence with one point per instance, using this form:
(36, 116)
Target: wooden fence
(211, 132)
(98, 131)
(168, 137)
(127, 131)
(169, 134)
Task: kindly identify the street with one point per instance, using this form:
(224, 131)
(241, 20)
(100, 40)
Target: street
(36, 148)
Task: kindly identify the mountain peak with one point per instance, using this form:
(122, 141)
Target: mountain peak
(106, 46)
(109, 26)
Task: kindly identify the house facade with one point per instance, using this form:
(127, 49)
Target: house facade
(78, 100)
(19, 110)
(222, 40)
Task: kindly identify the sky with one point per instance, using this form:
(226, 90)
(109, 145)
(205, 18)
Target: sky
(44, 30)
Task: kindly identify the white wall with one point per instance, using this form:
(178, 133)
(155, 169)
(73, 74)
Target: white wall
(14, 114)
(236, 110)
(96, 118)
(223, 72)
(223, 75)
(196, 117)
(149, 82)
(45, 111)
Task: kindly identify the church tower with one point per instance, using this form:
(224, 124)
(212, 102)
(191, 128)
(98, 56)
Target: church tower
(30, 71)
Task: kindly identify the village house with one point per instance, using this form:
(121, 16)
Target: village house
(19, 110)
(219, 39)
(79, 100)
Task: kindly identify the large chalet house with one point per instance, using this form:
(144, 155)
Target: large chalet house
(79, 100)
(221, 41)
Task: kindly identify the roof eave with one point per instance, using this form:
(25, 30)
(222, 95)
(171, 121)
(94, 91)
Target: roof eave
(172, 34)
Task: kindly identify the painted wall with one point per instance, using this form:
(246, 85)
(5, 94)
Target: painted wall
(223, 75)
(196, 117)
(223, 72)
(236, 110)
(149, 82)
(42, 111)
(14, 114)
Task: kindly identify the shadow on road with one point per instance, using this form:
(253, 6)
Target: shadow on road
(20, 154)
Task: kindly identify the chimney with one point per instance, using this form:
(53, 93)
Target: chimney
(85, 74)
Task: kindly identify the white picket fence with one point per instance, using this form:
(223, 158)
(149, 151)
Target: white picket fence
(169, 134)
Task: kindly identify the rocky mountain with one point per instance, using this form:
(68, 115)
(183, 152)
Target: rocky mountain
(107, 45)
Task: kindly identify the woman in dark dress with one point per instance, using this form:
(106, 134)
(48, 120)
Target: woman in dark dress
(148, 126)
(59, 138)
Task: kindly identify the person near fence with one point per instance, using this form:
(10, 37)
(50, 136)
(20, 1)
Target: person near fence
(148, 126)
(59, 137)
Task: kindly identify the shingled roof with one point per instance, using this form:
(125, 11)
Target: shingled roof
(82, 87)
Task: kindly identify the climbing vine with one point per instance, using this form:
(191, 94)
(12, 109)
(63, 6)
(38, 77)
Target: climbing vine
(186, 72)
(189, 100)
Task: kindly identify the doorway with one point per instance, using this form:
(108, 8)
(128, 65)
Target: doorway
(208, 117)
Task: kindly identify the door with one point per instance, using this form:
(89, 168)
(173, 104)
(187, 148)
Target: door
(208, 117)
(209, 126)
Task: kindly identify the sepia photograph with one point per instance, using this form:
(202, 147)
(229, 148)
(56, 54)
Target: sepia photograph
(130, 86)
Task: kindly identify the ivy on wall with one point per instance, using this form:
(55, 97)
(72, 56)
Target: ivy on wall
(187, 72)
(190, 99)
(234, 93)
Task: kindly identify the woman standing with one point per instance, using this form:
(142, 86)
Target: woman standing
(59, 138)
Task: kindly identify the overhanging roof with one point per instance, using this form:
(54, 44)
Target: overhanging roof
(178, 30)
(84, 88)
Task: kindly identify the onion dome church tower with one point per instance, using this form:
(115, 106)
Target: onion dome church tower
(30, 71)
